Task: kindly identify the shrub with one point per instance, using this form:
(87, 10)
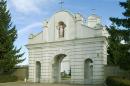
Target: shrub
(7, 78)
(117, 81)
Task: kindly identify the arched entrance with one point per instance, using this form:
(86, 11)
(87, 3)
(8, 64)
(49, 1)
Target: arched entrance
(56, 68)
(38, 71)
(88, 71)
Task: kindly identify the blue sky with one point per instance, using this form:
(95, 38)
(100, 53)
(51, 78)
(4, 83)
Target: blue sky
(28, 15)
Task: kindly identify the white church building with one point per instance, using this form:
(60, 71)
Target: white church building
(68, 36)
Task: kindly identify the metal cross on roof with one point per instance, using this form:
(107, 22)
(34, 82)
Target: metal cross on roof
(93, 11)
(61, 3)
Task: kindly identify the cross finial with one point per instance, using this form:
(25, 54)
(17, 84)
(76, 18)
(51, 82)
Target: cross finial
(93, 11)
(61, 3)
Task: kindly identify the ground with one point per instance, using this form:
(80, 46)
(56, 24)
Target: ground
(38, 84)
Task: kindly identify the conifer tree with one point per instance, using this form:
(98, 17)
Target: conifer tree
(125, 22)
(9, 54)
(120, 31)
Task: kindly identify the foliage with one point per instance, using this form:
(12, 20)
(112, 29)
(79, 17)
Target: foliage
(118, 52)
(7, 78)
(117, 81)
(125, 22)
(9, 54)
(65, 76)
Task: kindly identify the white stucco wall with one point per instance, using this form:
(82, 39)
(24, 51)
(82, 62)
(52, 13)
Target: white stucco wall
(79, 43)
(75, 28)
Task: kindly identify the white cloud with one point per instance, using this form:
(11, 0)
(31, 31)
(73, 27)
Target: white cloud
(28, 28)
(27, 6)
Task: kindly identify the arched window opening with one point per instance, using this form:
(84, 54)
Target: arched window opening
(88, 70)
(61, 28)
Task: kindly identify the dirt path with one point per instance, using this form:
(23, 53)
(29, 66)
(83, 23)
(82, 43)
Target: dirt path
(38, 84)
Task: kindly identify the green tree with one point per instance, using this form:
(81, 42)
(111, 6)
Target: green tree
(9, 54)
(125, 22)
(119, 52)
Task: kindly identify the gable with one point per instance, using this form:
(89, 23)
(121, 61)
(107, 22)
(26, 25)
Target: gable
(66, 26)
(38, 38)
